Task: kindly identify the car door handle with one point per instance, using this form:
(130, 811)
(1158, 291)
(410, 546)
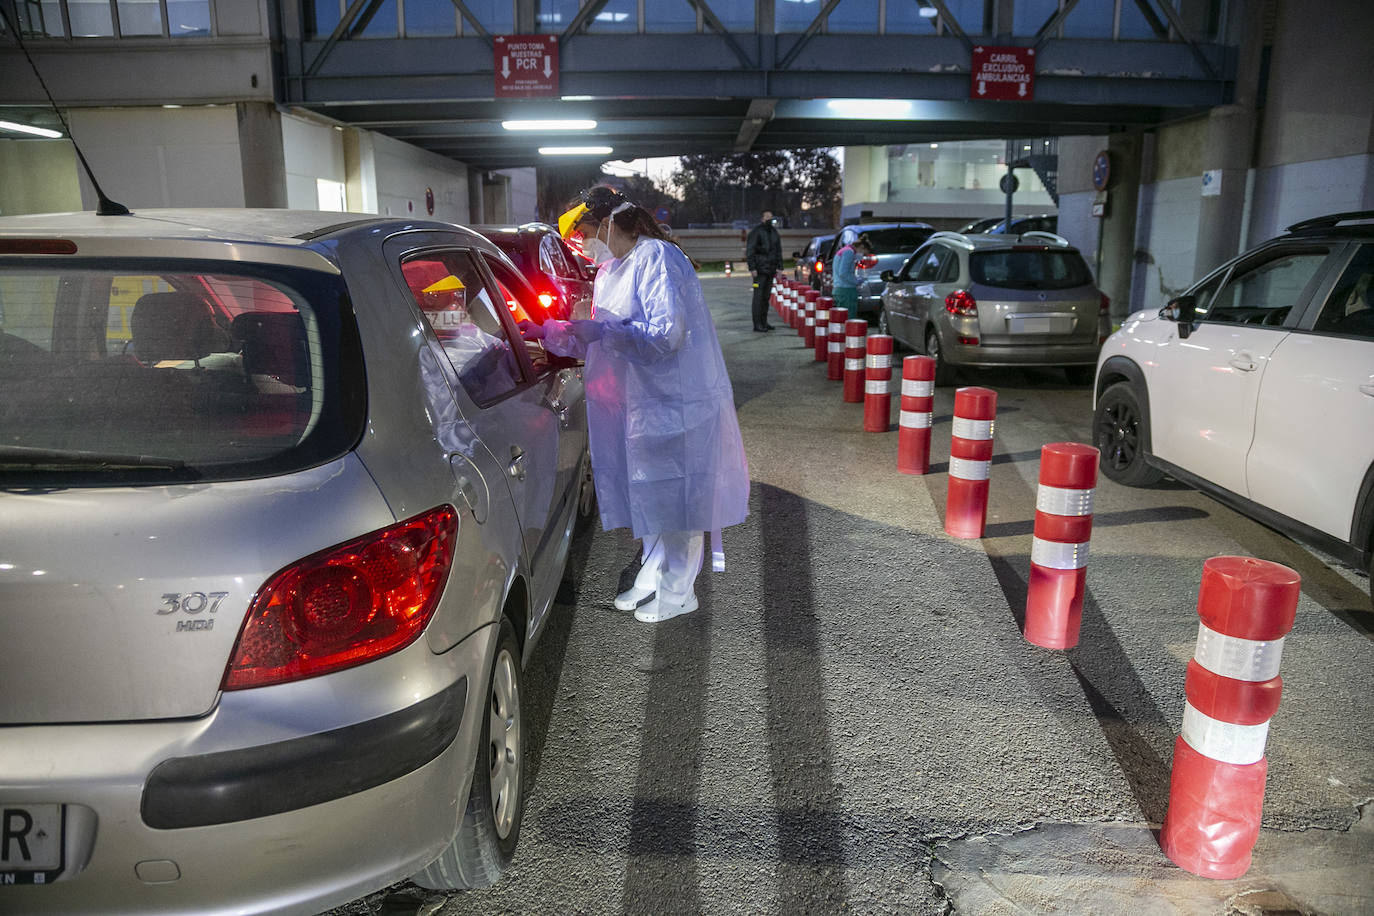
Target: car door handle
(516, 469)
(1243, 361)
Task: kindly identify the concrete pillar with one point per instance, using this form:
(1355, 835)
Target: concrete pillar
(262, 155)
(1230, 153)
(1118, 226)
(360, 165)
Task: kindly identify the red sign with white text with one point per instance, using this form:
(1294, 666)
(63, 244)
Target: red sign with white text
(1003, 74)
(526, 66)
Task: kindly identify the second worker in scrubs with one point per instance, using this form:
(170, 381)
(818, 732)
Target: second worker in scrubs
(667, 458)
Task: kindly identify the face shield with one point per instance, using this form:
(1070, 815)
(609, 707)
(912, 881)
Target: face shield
(567, 223)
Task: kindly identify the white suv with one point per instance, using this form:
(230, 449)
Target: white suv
(1257, 387)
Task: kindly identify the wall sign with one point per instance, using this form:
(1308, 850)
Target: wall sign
(526, 66)
(1005, 74)
(1102, 171)
(1211, 183)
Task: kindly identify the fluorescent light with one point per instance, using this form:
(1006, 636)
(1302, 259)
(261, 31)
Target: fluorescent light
(574, 150)
(934, 146)
(551, 124)
(928, 12)
(577, 98)
(871, 109)
(26, 129)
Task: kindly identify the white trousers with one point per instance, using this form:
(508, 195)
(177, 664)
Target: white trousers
(671, 563)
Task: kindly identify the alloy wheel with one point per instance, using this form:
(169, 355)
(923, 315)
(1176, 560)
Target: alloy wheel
(1118, 436)
(505, 747)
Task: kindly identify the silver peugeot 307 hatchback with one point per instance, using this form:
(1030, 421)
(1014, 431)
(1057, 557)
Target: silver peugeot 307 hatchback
(284, 502)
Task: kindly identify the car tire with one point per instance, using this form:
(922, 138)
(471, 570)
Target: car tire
(490, 827)
(1119, 433)
(944, 372)
(1080, 375)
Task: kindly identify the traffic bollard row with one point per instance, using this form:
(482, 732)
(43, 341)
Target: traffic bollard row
(1059, 547)
(877, 383)
(914, 418)
(1216, 790)
(808, 328)
(970, 462)
(855, 348)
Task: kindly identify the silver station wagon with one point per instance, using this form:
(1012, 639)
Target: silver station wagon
(284, 503)
(995, 300)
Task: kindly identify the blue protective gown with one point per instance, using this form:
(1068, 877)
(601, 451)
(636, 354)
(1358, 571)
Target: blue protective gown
(665, 442)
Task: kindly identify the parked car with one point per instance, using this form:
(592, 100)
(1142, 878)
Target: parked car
(809, 263)
(272, 565)
(892, 243)
(562, 279)
(1045, 222)
(981, 225)
(1257, 387)
(995, 300)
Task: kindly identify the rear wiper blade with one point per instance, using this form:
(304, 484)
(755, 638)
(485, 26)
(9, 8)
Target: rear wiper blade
(33, 457)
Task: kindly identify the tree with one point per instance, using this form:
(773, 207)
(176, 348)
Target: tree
(721, 188)
(560, 185)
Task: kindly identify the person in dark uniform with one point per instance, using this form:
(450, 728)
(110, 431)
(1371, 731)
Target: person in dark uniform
(763, 253)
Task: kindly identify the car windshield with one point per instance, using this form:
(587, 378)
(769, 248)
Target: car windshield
(1017, 268)
(153, 371)
(513, 249)
(903, 240)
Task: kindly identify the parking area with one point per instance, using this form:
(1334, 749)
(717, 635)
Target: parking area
(852, 721)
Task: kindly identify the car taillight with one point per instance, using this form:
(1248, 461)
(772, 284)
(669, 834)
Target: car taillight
(820, 267)
(961, 303)
(1104, 310)
(546, 300)
(346, 605)
(866, 262)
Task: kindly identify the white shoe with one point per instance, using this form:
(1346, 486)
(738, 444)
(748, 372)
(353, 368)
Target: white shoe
(633, 597)
(659, 610)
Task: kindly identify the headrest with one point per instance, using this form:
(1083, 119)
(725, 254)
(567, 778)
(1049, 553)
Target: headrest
(173, 326)
(274, 345)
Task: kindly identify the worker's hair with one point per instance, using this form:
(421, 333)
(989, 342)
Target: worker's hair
(864, 240)
(603, 202)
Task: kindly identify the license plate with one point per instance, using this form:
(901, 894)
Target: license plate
(1032, 324)
(30, 843)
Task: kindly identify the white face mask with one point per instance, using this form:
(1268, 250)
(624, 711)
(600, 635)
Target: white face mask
(597, 250)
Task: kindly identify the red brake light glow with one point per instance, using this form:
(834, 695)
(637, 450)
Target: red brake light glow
(546, 300)
(346, 605)
(37, 246)
(961, 303)
(867, 261)
(1105, 308)
(820, 267)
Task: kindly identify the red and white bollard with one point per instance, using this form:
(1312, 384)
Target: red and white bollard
(878, 383)
(855, 345)
(823, 305)
(1059, 549)
(970, 462)
(917, 410)
(789, 304)
(1216, 790)
(836, 344)
(809, 318)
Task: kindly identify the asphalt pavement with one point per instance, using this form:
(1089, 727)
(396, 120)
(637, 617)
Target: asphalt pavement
(852, 722)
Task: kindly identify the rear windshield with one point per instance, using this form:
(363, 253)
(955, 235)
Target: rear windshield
(512, 249)
(1029, 269)
(154, 371)
(904, 240)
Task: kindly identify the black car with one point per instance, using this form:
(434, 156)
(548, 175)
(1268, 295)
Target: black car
(561, 277)
(810, 263)
(892, 244)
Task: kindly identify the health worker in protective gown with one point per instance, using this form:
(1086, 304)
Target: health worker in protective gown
(667, 458)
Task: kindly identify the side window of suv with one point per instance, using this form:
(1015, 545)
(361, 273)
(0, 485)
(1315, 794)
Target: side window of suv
(1349, 310)
(1264, 292)
(949, 268)
(930, 263)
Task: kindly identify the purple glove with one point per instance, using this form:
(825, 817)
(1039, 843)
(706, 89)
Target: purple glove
(587, 330)
(531, 331)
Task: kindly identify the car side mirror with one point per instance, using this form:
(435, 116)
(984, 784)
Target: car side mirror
(1183, 310)
(887, 276)
(589, 271)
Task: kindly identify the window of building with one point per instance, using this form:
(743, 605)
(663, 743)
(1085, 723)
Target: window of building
(1030, 15)
(616, 16)
(553, 16)
(669, 16)
(430, 18)
(140, 17)
(853, 17)
(90, 18)
(794, 15)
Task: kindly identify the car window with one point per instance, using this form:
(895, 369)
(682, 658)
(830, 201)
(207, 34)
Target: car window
(517, 295)
(1029, 268)
(1349, 310)
(551, 259)
(1264, 293)
(949, 268)
(902, 239)
(461, 308)
(929, 265)
(209, 370)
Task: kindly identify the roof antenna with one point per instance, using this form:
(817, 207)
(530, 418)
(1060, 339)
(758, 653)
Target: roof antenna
(107, 207)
